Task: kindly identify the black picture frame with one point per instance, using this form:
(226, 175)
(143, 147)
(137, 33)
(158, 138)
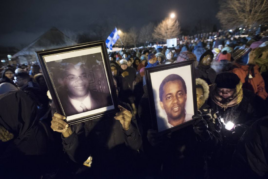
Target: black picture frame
(151, 95)
(85, 47)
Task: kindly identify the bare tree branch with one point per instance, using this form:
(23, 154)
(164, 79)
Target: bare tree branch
(133, 36)
(167, 29)
(235, 13)
(146, 32)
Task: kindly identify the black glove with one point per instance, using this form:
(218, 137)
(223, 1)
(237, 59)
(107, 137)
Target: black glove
(201, 127)
(155, 139)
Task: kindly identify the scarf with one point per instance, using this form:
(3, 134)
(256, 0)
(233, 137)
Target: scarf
(235, 100)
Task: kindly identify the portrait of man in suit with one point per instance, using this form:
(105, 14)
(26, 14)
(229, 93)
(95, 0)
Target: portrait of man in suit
(75, 90)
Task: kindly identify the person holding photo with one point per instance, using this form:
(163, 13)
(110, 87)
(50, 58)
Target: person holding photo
(111, 142)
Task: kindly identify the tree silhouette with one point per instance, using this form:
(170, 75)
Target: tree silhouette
(167, 29)
(234, 13)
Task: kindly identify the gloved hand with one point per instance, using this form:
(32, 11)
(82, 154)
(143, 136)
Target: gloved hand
(5, 135)
(155, 139)
(201, 127)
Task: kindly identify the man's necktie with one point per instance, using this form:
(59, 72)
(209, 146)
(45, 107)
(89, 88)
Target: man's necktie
(83, 107)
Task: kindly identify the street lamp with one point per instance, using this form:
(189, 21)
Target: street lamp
(172, 15)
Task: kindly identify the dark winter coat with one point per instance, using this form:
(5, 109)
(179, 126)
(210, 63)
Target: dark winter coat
(180, 153)
(250, 109)
(23, 156)
(113, 149)
(126, 85)
(250, 159)
(199, 50)
(206, 73)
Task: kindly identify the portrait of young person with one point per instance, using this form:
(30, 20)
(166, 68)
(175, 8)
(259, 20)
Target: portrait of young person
(173, 96)
(80, 82)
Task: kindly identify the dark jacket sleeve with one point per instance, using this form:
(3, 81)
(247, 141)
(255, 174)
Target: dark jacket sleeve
(132, 136)
(250, 159)
(72, 146)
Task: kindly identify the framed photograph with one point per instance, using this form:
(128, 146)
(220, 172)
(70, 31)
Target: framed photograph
(80, 81)
(172, 97)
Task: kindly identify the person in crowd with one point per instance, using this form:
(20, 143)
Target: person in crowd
(116, 75)
(38, 95)
(138, 86)
(186, 56)
(128, 75)
(25, 146)
(7, 76)
(250, 160)
(160, 56)
(175, 152)
(152, 61)
(251, 78)
(35, 69)
(146, 53)
(227, 48)
(234, 103)
(223, 56)
(136, 64)
(114, 69)
(7, 87)
(40, 81)
(202, 93)
(215, 52)
(184, 48)
(237, 109)
(169, 56)
(24, 81)
(125, 56)
(176, 52)
(129, 62)
(199, 50)
(112, 142)
(204, 70)
(259, 56)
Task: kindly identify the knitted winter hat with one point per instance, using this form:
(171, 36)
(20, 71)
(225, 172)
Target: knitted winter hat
(185, 56)
(143, 57)
(151, 56)
(227, 80)
(123, 62)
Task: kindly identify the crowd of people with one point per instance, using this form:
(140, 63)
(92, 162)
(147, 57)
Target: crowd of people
(228, 138)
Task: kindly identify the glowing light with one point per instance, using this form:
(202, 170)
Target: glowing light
(229, 125)
(230, 30)
(119, 31)
(240, 28)
(3, 61)
(172, 15)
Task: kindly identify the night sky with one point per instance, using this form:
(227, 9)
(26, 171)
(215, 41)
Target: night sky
(22, 21)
